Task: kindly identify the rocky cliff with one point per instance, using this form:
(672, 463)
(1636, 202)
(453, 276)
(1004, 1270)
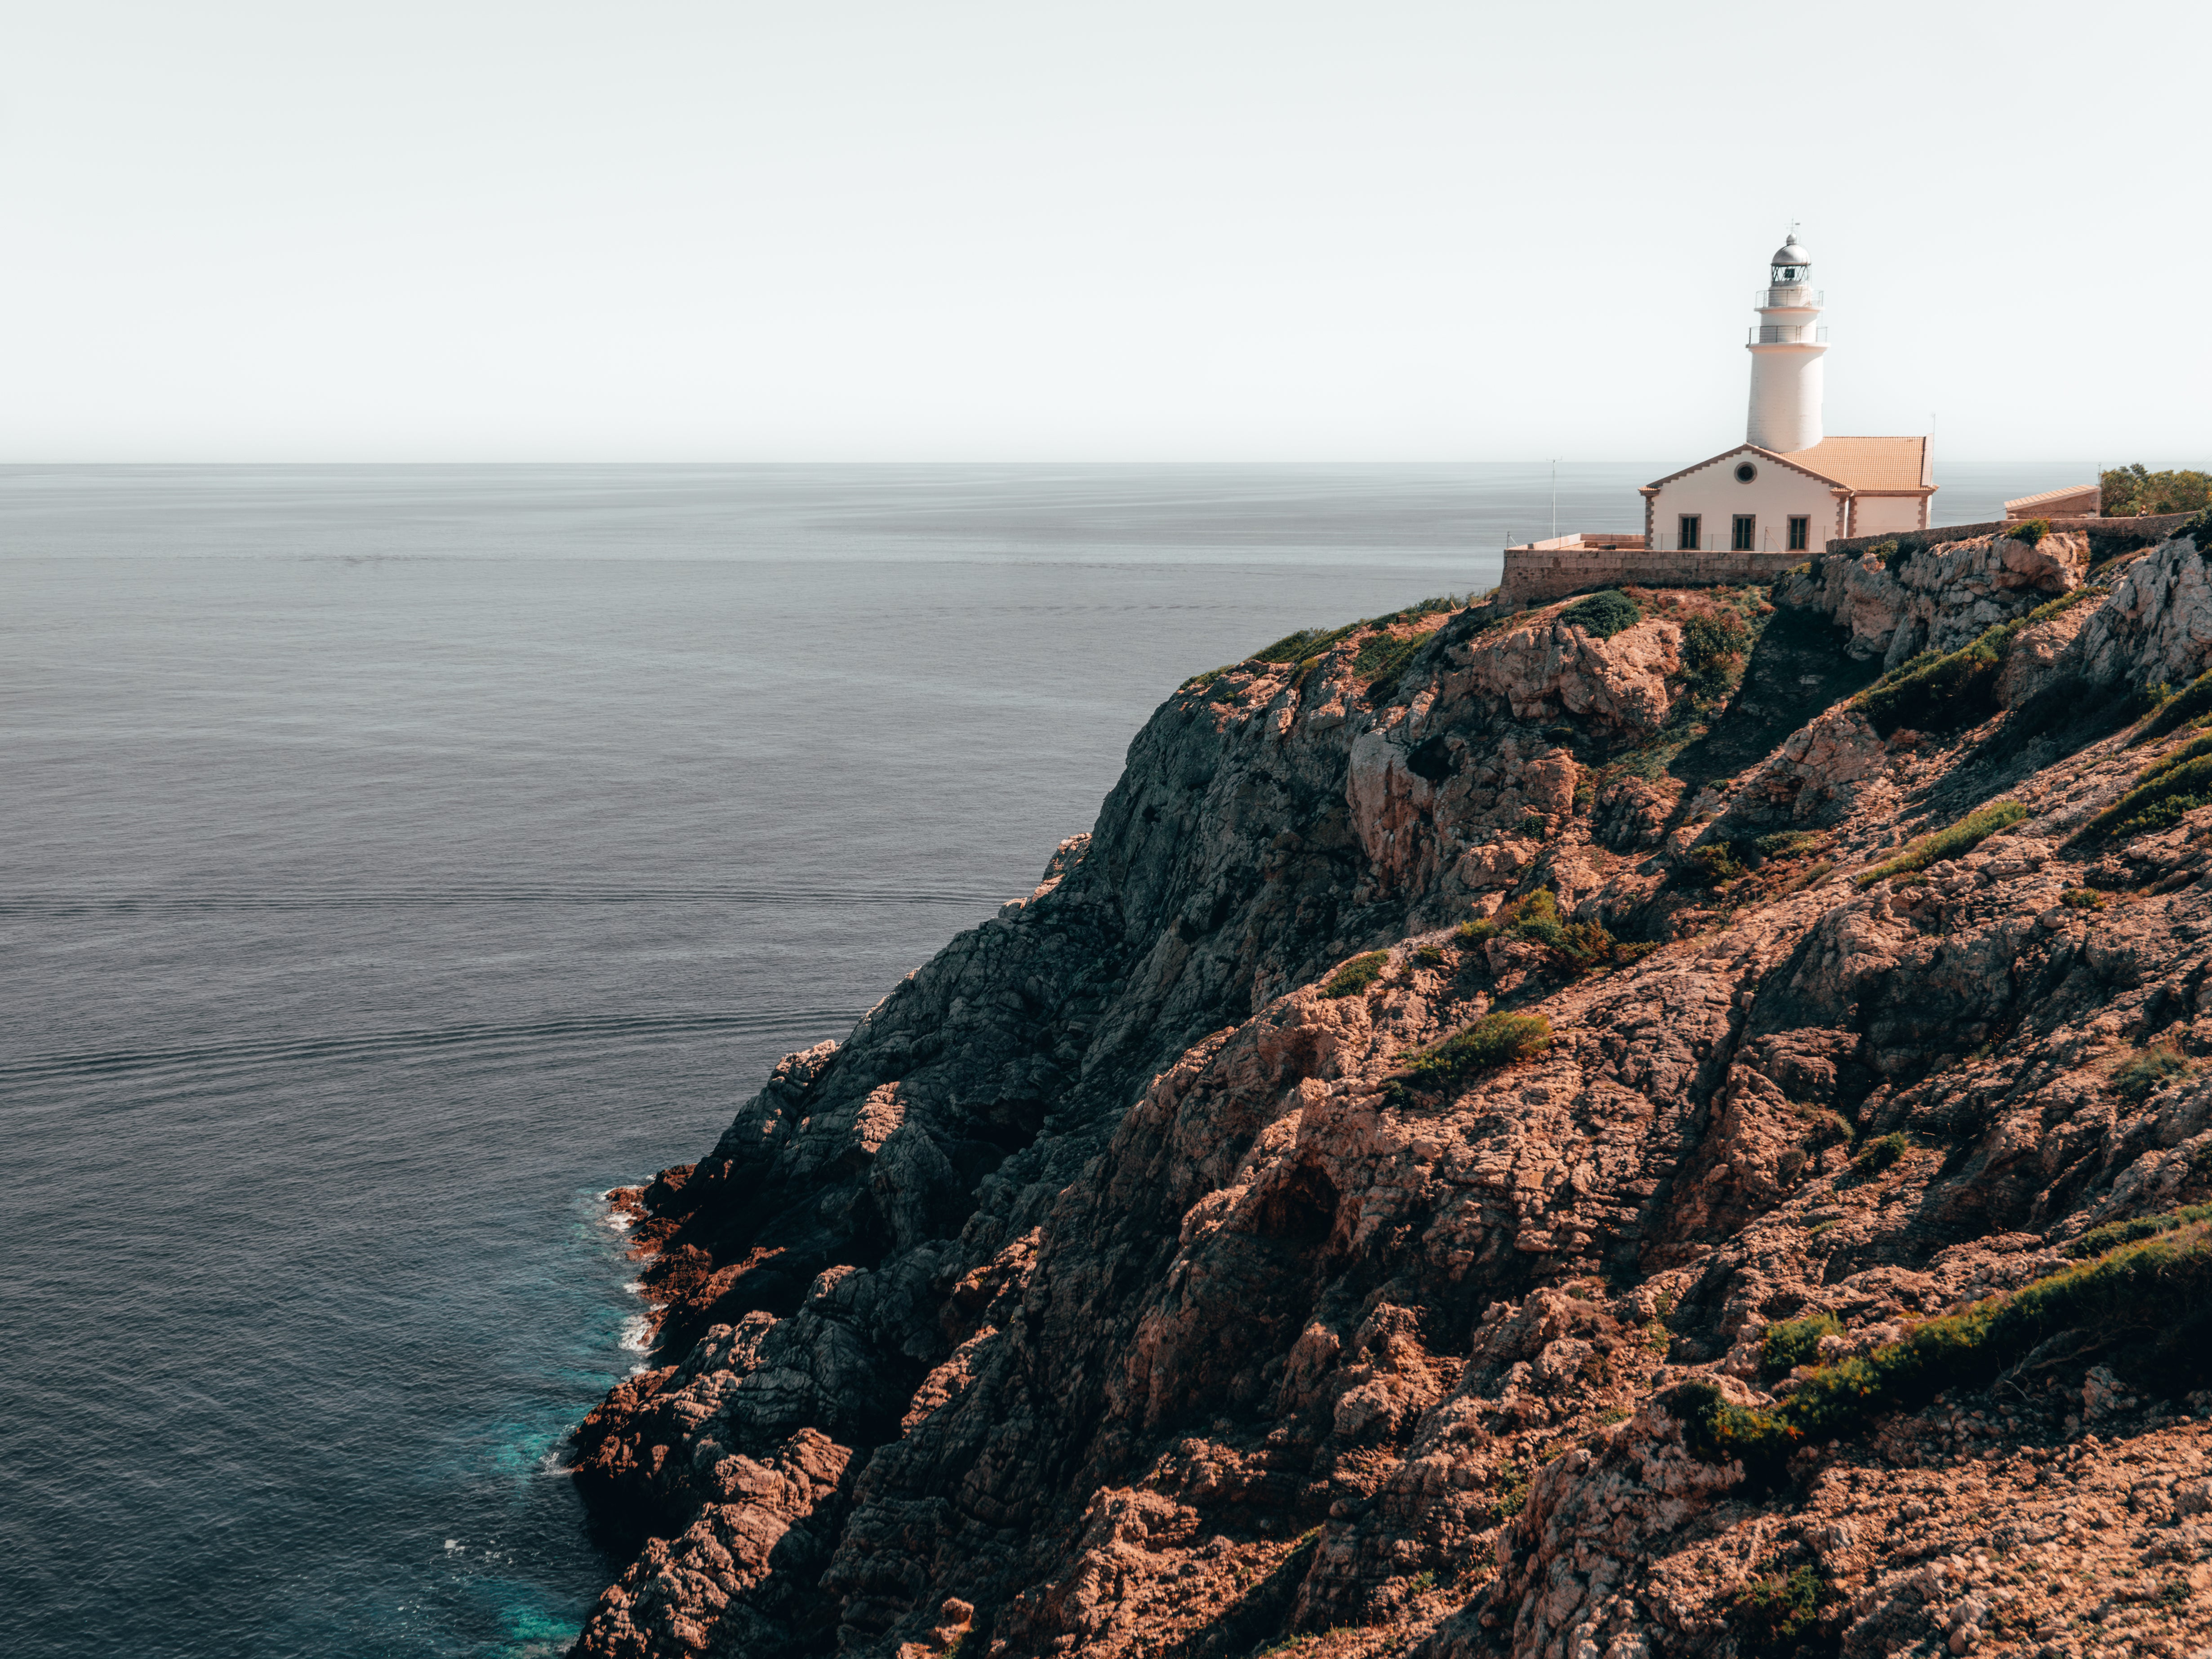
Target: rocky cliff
(1595, 1133)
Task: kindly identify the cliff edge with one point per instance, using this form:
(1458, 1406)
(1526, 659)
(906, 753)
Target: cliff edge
(1668, 1123)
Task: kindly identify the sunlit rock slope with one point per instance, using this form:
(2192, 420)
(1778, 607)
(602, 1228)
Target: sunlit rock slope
(1599, 1133)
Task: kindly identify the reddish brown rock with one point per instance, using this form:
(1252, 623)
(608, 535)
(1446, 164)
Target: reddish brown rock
(1115, 1289)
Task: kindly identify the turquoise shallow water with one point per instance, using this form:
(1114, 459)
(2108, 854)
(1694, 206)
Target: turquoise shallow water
(393, 859)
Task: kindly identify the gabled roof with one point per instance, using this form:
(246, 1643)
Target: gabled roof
(1795, 463)
(2089, 494)
(1871, 463)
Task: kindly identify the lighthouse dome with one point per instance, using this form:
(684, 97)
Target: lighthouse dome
(1790, 254)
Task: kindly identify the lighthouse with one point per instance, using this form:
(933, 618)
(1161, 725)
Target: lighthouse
(1752, 511)
(1786, 346)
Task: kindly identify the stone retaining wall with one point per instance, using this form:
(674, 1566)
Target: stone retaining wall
(1533, 575)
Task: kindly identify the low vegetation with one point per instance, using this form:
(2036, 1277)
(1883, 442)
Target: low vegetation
(1380, 658)
(2191, 703)
(2156, 1287)
(1777, 1613)
(1713, 645)
(1940, 691)
(1714, 864)
(1812, 876)
(1356, 974)
(1510, 1494)
(1536, 918)
(1789, 843)
(1794, 1342)
(1603, 615)
(1968, 833)
(2030, 531)
(2163, 794)
(2147, 1070)
(1878, 1155)
(2113, 1234)
(1495, 1039)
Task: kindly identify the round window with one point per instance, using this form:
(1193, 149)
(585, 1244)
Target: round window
(1746, 472)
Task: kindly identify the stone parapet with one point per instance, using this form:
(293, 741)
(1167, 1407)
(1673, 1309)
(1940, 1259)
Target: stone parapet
(1536, 574)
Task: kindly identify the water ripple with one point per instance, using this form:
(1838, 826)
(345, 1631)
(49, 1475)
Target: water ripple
(205, 1058)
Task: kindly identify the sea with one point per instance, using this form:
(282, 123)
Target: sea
(394, 858)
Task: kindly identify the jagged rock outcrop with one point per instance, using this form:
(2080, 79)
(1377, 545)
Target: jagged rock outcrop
(1938, 597)
(1128, 1282)
(2157, 626)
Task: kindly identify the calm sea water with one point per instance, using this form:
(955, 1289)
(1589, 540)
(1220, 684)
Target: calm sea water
(391, 860)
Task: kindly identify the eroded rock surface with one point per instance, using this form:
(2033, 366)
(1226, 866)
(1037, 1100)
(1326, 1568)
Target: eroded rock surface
(1115, 1288)
(1939, 598)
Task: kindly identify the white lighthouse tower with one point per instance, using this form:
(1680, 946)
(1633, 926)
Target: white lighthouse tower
(1786, 347)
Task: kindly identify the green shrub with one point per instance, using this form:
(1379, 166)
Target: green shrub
(2113, 1234)
(1712, 652)
(1937, 692)
(1794, 1342)
(2187, 704)
(1887, 553)
(2168, 794)
(1968, 833)
(1536, 918)
(2060, 605)
(1789, 843)
(1306, 642)
(2142, 1074)
(1512, 1490)
(1425, 608)
(1356, 974)
(1428, 955)
(1713, 865)
(1382, 658)
(2082, 898)
(1828, 1128)
(2199, 530)
(1776, 1611)
(2156, 1285)
(1494, 1040)
(1603, 615)
(2030, 531)
(2196, 747)
(1878, 1155)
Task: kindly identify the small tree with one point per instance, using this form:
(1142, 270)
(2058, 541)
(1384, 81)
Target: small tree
(2134, 491)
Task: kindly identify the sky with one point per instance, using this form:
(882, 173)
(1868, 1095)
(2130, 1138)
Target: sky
(1204, 231)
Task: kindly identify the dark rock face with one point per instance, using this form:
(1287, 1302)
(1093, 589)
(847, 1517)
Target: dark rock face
(1116, 1288)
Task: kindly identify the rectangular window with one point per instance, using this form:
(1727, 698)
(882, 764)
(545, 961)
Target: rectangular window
(1688, 540)
(1746, 539)
(1801, 534)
